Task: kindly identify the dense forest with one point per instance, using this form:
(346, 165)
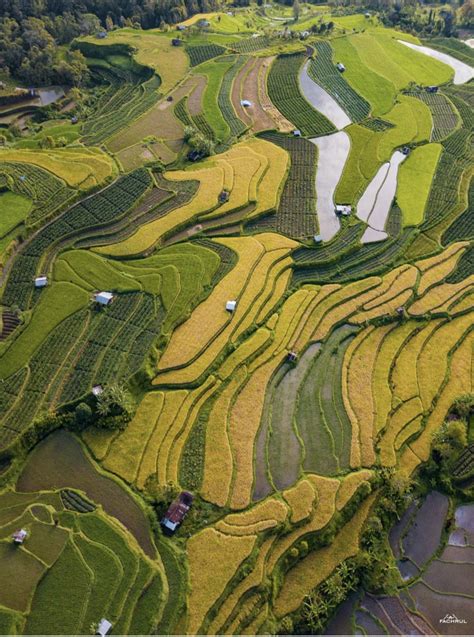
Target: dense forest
(32, 32)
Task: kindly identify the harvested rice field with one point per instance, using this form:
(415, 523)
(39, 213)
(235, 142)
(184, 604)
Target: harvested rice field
(236, 327)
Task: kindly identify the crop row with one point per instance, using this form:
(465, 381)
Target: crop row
(47, 191)
(376, 124)
(444, 194)
(203, 52)
(123, 102)
(323, 71)
(362, 261)
(452, 46)
(464, 104)
(284, 91)
(98, 210)
(465, 266)
(249, 45)
(145, 212)
(103, 356)
(296, 212)
(445, 119)
(44, 374)
(181, 112)
(236, 125)
(465, 464)
(463, 226)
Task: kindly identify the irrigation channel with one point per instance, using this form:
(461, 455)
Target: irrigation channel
(375, 203)
(333, 153)
(462, 72)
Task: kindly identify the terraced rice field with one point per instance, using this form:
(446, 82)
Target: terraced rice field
(295, 365)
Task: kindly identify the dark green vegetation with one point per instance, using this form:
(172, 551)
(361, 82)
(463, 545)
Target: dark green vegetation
(322, 69)
(284, 91)
(202, 52)
(236, 125)
(296, 213)
(47, 192)
(444, 116)
(89, 551)
(101, 209)
(124, 96)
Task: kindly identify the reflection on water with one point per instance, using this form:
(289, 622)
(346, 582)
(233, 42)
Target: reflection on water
(322, 101)
(333, 152)
(462, 72)
(50, 95)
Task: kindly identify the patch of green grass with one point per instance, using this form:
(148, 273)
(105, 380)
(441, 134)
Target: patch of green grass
(321, 419)
(19, 576)
(414, 182)
(108, 573)
(141, 581)
(61, 597)
(46, 541)
(411, 121)
(9, 622)
(379, 91)
(398, 63)
(214, 70)
(146, 608)
(14, 210)
(97, 529)
(57, 302)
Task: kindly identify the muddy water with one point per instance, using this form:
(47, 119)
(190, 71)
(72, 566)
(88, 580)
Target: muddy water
(333, 153)
(322, 101)
(60, 462)
(462, 72)
(50, 95)
(375, 203)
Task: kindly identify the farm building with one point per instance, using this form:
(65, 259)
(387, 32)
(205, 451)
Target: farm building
(432, 89)
(224, 196)
(104, 298)
(177, 512)
(317, 238)
(181, 27)
(97, 390)
(194, 155)
(101, 35)
(343, 210)
(104, 627)
(41, 281)
(230, 306)
(74, 119)
(292, 357)
(19, 536)
(296, 133)
(176, 42)
(340, 67)
(204, 23)
(245, 103)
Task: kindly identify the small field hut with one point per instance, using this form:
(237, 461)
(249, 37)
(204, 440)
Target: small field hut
(41, 281)
(103, 628)
(104, 298)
